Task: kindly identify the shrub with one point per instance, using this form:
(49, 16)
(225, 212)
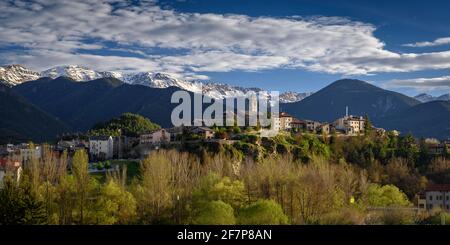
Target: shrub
(262, 212)
(214, 213)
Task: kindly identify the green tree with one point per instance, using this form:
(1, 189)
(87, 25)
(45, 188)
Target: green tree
(262, 212)
(214, 213)
(18, 205)
(386, 196)
(127, 124)
(154, 190)
(213, 188)
(367, 126)
(115, 205)
(82, 181)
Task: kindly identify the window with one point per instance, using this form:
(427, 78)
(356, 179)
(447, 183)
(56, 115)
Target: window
(446, 198)
(430, 206)
(431, 198)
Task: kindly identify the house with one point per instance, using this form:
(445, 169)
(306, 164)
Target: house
(312, 126)
(435, 196)
(350, 124)
(285, 121)
(298, 124)
(276, 123)
(324, 128)
(101, 147)
(28, 152)
(71, 145)
(437, 148)
(204, 132)
(9, 167)
(155, 137)
(306, 125)
(175, 133)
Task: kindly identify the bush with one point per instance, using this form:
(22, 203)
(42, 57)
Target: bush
(262, 212)
(439, 218)
(214, 213)
(386, 196)
(100, 166)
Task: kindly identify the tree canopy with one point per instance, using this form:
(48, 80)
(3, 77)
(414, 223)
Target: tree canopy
(127, 124)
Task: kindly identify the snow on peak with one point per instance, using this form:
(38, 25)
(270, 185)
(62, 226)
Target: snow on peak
(76, 72)
(427, 98)
(16, 74)
(13, 75)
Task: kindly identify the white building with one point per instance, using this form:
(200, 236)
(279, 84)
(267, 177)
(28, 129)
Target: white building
(101, 147)
(285, 121)
(276, 123)
(436, 196)
(350, 124)
(27, 152)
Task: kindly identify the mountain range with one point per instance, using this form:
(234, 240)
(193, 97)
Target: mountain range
(22, 121)
(386, 109)
(45, 107)
(423, 97)
(360, 97)
(13, 75)
(82, 105)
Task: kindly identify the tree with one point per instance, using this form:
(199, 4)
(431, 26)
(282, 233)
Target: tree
(367, 126)
(214, 213)
(115, 205)
(214, 188)
(18, 205)
(82, 181)
(127, 124)
(262, 212)
(154, 189)
(386, 196)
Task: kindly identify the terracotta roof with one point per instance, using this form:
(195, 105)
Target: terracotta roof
(284, 114)
(295, 121)
(438, 187)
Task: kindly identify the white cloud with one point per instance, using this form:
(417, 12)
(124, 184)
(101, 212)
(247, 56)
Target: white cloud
(441, 84)
(51, 32)
(437, 42)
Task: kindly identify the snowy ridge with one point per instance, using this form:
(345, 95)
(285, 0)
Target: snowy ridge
(12, 75)
(16, 74)
(427, 98)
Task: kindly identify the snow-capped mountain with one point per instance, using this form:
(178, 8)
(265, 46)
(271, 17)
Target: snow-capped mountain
(19, 74)
(444, 97)
(289, 97)
(423, 97)
(12, 75)
(427, 98)
(77, 73)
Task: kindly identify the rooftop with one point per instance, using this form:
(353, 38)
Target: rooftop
(99, 137)
(438, 187)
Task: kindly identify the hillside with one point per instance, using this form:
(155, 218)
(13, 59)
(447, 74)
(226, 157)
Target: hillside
(82, 105)
(361, 98)
(431, 119)
(127, 124)
(22, 121)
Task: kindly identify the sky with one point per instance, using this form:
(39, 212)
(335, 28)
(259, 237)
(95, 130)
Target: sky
(283, 45)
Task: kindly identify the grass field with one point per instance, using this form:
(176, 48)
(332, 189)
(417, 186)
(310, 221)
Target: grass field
(132, 170)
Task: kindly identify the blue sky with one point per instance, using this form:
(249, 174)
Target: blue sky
(280, 45)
